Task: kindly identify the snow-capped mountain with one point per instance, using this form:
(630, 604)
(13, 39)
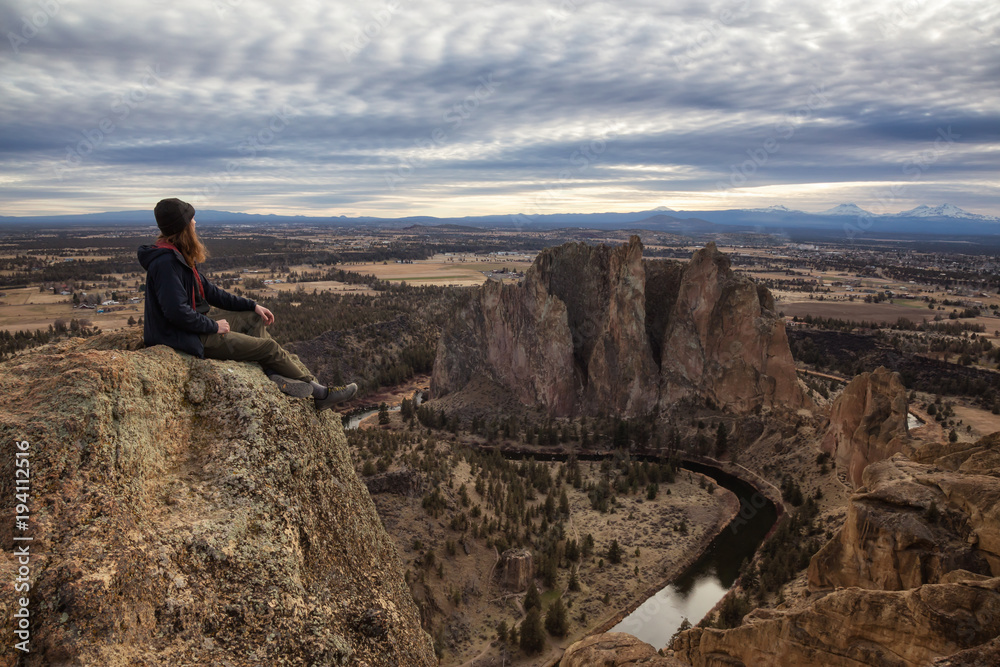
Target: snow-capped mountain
(776, 208)
(846, 218)
(850, 209)
(942, 211)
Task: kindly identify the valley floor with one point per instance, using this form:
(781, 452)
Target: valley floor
(459, 590)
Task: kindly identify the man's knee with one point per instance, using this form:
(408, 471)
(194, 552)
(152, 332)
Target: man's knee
(257, 326)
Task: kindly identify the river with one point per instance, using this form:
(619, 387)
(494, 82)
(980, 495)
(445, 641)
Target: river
(706, 581)
(355, 420)
(700, 587)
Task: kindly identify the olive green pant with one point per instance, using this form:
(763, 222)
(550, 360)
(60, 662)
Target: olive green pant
(248, 340)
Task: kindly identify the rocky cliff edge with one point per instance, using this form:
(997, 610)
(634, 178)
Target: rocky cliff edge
(183, 511)
(913, 577)
(868, 423)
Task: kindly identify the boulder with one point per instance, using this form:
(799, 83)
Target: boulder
(405, 482)
(184, 511)
(614, 649)
(516, 569)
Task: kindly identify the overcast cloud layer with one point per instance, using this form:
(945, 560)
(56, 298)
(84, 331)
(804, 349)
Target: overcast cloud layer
(409, 107)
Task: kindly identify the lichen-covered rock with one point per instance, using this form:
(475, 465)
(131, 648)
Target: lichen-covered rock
(867, 422)
(614, 649)
(597, 330)
(856, 628)
(186, 512)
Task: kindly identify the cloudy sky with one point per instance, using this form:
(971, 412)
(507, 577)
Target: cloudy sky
(406, 107)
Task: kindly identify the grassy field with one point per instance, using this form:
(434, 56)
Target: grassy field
(29, 309)
(856, 310)
(440, 270)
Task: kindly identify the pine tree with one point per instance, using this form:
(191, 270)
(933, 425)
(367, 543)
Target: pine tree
(532, 635)
(721, 441)
(532, 600)
(502, 632)
(383, 413)
(556, 621)
(614, 553)
(574, 580)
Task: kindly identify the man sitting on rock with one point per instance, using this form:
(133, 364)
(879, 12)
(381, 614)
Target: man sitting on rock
(179, 312)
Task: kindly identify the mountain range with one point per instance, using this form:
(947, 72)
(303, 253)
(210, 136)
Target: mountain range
(848, 219)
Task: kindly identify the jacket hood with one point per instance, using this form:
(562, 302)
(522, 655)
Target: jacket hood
(147, 253)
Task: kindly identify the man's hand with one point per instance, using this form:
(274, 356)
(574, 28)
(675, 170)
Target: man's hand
(223, 327)
(265, 314)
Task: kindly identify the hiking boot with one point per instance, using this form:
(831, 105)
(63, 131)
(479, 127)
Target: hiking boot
(296, 388)
(335, 395)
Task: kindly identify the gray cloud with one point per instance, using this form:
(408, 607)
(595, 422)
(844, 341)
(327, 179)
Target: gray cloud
(420, 106)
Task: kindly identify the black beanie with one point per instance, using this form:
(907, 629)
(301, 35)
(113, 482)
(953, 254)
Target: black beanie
(173, 215)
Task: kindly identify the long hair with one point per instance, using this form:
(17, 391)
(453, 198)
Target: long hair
(187, 241)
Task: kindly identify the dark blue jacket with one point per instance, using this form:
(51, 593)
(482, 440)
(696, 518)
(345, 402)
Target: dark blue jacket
(170, 317)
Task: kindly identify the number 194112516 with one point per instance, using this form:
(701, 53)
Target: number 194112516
(22, 476)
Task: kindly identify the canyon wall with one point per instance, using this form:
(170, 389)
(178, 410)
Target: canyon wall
(913, 576)
(868, 422)
(597, 329)
(856, 628)
(725, 342)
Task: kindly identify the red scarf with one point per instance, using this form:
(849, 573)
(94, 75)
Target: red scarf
(197, 279)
